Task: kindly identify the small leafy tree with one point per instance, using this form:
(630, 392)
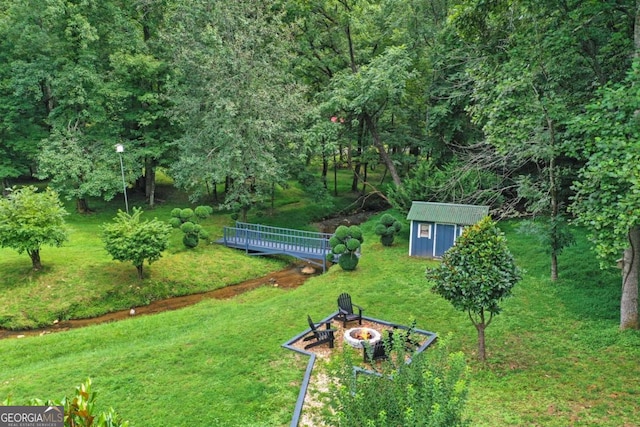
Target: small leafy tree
(30, 219)
(130, 239)
(387, 228)
(345, 245)
(187, 221)
(429, 391)
(553, 234)
(80, 411)
(476, 274)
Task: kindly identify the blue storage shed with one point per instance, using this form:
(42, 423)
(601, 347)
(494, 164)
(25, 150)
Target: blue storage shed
(436, 226)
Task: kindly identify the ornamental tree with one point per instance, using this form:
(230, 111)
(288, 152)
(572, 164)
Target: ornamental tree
(387, 228)
(476, 274)
(187, 221)
(30, 219)
(345, 246)
(130, 239)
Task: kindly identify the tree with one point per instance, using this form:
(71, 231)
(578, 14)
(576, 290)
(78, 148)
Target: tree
(30, 219)
(530, 77)
(387, 228)
(238, 103)
(140, 76)
(608, 189)
(130, 239)
(345, 246)
(476, 274)
(78, 168)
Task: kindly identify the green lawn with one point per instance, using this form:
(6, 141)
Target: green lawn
(556, 357)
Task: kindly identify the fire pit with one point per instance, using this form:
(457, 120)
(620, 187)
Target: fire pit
(357, 336)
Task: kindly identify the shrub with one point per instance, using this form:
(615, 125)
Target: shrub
(79, 411)
(431, 390)
(187, 220)
(387, 228)
(345, 245)
(130, 239)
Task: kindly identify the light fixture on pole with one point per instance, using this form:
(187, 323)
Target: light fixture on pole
(120, 150)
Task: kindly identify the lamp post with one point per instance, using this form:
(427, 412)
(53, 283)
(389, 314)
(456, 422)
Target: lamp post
(120, 150)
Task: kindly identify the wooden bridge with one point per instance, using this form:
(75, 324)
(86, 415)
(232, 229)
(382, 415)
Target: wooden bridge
(257, 239)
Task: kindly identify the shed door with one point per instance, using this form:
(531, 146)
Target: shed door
(445, 236)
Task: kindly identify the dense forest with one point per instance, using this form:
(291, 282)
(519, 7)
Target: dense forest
(527, 106)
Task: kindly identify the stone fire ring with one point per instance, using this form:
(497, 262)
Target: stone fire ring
(350, 336)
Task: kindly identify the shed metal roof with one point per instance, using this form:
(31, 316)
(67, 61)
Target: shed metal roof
(447, 213)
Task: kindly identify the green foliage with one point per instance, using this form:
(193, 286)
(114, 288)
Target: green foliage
(607, 191)
(579, 326)
(476, 274)
(478, 271)
(553, 233)
(241, 108)
(455, 181)
(130, 239)
(30, 219)
(80, 410)
(345, 246)
(431, 390)
(387, 228)
(187, 220)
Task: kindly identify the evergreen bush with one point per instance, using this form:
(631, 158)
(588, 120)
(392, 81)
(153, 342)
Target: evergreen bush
(187, 221)
(387, 228)
(345, 245)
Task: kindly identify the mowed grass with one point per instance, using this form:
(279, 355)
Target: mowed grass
(556, 356)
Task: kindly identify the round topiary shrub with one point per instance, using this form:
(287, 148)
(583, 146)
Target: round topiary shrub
(387, 228)
(387, 240)
(190, 240)
(348, 262)
(187, 221)
(345, 247)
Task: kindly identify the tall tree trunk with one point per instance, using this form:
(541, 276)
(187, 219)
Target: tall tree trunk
(35, 259)
(150, 182)
(382, 151)
(364, 181)
(480, 325)
(554, 200)
(140, 272)
(358, 165)
(631, 257)
(631, 266)
(325, 164)
(82, 206)
(335, 175)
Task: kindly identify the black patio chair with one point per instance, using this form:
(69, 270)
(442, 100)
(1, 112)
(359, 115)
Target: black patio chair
(378, 351)
(346, 312)
(320, 336)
